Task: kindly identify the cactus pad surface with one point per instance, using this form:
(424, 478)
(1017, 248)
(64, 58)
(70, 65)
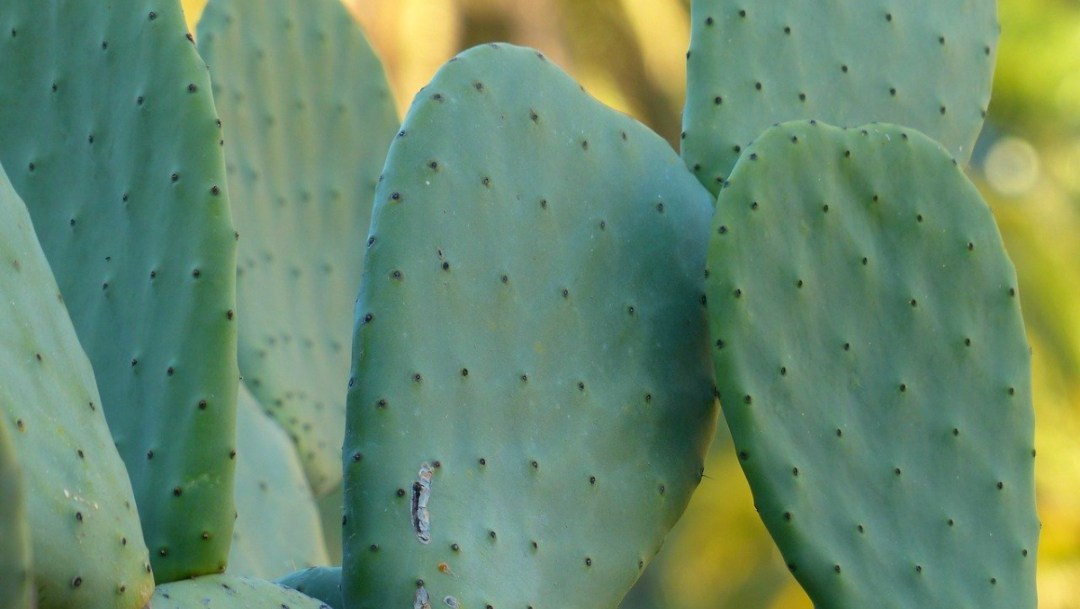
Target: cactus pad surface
(923, 63)
(88, 548)
(230, 592)
(874, 371)
(323, 583)
(532, 397)
(109, 134)
(16, 569)
(308, 117)
(278, 529)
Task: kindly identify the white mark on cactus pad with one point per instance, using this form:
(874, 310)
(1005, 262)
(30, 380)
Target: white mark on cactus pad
(421, 494)
(422, 601)
(451, 602)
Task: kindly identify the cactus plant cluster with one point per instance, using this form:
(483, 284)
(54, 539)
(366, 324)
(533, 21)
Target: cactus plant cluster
(546, 306)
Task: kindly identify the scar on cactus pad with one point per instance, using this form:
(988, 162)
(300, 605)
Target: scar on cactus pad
(531, 394)
(923, 63)
(873, 369)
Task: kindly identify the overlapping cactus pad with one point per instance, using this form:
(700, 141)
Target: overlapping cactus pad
(277, 530)
(88, 548)
(108, 133)
(532, 397)
(323, 583)
(923, 63)
(230, 592)
(308, 118)
(874, 371)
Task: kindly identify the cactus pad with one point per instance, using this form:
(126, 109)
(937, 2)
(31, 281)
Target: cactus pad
(230, 592)
(308, 117)
(108, 133)
(16, 570)
(532, 397)
(278, 529)
(923, 63)
(874, 371)
(323, 583)
(88, 548)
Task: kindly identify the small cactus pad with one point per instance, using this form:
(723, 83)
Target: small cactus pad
(308, 119)
(874, 371)
(323, 583)
(108, 133)
(532, 395)
(230, 592)
(88, 548)
(923, 63)
(277, 523)
(16, 570)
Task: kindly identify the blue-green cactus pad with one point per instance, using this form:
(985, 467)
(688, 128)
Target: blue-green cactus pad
(308, 117)
(108, 132)
(323, 583)
(532, 395)
(16, 569)
(923, 63)
(874, 371)
(278, 529)
(230, 592)
(87, 544)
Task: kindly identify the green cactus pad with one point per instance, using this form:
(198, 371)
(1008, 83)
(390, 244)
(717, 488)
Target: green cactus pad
(16, 569)
(532, 395)
(277, 522)
(323, 583)
(108, 132)
(308, 117)
(331, 509)
(874, 371)
(923, 63)
(230, 592)
(88, 548)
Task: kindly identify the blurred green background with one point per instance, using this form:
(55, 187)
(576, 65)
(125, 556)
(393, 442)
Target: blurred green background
(630, 54)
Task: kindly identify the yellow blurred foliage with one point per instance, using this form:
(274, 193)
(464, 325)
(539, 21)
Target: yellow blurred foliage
(630, 54)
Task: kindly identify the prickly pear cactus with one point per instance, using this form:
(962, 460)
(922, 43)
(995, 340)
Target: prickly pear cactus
(108, 132)
(531, 399)
(308, 118)
(874, 370)
(88, 549)
(923, 63)
(230, 592)
(323, 583)
(16, 570)
(277, 522)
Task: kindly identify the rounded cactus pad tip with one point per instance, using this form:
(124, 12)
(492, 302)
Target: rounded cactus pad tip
(308, 117)
(531, 397)
(87, 545)
(923, 63)
(873, 369)
(109, 134)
